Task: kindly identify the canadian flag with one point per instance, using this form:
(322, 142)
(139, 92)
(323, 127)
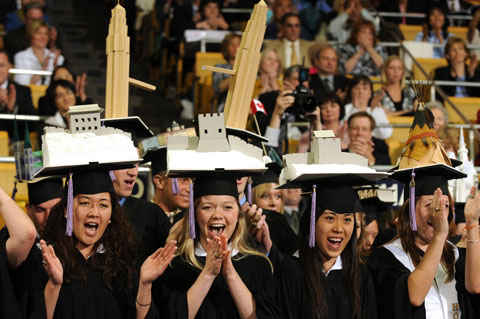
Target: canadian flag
(257, 106)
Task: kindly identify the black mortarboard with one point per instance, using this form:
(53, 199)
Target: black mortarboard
(246, 135)
(216, 185)
(371, 201)
(133, 125)
(92, 182)
(158, 158)
(44, 190)
(269, 176)
(339, 198)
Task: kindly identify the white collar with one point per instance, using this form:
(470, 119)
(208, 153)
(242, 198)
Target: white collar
(199, 251)
(4, 85)
(336, 266)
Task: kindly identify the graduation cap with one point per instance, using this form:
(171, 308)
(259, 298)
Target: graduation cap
(372, 202)
(43, 190)
(424, 165)
(132, 124)
(270, 175)
(213, 159)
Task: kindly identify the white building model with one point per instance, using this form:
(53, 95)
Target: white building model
(326, 160)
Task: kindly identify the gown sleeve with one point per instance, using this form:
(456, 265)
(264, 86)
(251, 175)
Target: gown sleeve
(469, 303)
(390, 279)
(8, 304)
(290, 293)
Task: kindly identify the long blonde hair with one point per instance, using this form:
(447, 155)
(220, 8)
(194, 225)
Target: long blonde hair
(186, 245)
(385, 66)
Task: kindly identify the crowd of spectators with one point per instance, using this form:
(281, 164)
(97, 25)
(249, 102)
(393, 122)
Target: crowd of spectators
(331, 47)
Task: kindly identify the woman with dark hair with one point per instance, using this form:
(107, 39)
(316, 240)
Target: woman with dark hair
(457, 69)
(359, 96)
(45, 105)
(92, 271)
(212, 19)
(60, 94)
(360, 55)
(332, 113)
(216, 273)
(420, 274)
(221, 81)
(435, 29)
(327, 280)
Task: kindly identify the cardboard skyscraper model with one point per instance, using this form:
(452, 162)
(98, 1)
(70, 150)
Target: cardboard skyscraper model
(212, 151)
(245, 69)
(325, 161)
(118, 66)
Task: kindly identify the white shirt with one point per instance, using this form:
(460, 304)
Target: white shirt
(336, 266)
(27, 60)
(288, 51)
(199, 251)
(378, 115)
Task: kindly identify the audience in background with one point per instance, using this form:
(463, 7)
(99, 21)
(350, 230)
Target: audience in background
(275, 27)
(61, 94)
(291, 49)
(269, 70)
(221, 81)
(360, 132)
(349, 13)
(360, 55)
(332, 113)
(397, 98)
(37, 56)
(212, 19)
(359, 98)
(325, 61)
(457, 69)
(435, 29)
(440, 114)
(45, 103)
(403, 6)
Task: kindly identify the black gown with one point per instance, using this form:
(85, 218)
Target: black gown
(8, 303)
(150, 224)
(281, 234)
(292, 295)
(94, 300)
(169, 292)
(390, 278)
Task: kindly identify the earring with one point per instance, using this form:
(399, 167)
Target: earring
(110, 221)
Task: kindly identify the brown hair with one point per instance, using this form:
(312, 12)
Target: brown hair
(357, 27)
(33, 27)
(450, 42)
(362, 114)
(407, 237)
(226, 42)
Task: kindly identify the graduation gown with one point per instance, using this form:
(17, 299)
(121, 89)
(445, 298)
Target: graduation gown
(150, 224)
(94, 300)
(292, 296)
(8, 304)
(169, 292)
(281, 234)
(469, 304)
(390, 277)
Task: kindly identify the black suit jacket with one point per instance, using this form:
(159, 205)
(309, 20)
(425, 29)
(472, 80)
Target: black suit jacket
(318, 87)
(23, 106)
(380, 152)
(444, 74)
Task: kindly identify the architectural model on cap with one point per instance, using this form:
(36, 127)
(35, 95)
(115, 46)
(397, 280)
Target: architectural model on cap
(118, 66)
(325, 161)
(85, 143)
(245, 68)
(212, 151)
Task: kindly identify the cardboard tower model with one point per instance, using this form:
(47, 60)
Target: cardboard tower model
(245, 69)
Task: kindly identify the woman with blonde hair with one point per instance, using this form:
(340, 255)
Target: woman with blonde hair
(216, 273)
(269, 71)
(395, 97)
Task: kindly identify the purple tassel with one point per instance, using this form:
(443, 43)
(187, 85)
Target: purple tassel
(413, 221)
(311, 242)
(112, 176)
(191, 214)
(249, 192)
(70, 207)
(175, 188)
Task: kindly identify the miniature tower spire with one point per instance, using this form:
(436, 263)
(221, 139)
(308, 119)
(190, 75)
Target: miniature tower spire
(462, 148)
(118, 64)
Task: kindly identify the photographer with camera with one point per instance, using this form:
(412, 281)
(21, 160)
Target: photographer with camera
(296, 102)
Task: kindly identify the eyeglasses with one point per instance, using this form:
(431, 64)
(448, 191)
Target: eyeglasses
(288, 25)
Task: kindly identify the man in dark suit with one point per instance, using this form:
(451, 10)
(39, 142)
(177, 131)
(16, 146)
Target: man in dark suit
(362, 142)
(326, 80)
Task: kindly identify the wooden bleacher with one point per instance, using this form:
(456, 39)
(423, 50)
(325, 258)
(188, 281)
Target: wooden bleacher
(469, 106)
(3, 143)
(396, 142)
(429, 65)
(37, 92)
(203, 80)
(409, 31)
